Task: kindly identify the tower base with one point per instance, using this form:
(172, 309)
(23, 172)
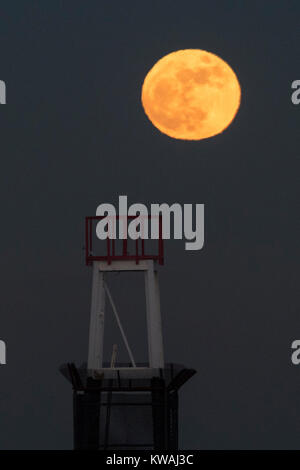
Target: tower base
(125, 408)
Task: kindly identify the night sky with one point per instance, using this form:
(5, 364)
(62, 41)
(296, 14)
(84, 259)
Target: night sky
(74, 135)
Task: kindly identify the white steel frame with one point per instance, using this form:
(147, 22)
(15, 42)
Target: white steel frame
(100, 291)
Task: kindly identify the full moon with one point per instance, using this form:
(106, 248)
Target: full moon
(191, 94)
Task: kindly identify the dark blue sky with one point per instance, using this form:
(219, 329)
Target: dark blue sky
(74, 134)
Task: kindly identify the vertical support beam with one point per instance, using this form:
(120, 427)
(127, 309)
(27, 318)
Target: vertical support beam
(95, 355)
(154, 325)
(86, 413)
(159, 414)
(173, 420)
(92, 420)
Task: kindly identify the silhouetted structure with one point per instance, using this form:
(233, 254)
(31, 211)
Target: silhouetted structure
(126, 413)
(117, 405)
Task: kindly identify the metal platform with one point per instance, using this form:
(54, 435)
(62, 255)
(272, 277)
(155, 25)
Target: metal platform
(126, 407)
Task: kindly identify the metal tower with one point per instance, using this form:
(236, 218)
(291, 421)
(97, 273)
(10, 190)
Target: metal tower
(105, 394)
(123, 262)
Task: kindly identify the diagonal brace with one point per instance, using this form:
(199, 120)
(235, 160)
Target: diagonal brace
(119, 324)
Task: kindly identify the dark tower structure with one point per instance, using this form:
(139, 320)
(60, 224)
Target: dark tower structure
(125, 405)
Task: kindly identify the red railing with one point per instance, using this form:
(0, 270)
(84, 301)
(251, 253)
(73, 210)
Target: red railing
(111, 253)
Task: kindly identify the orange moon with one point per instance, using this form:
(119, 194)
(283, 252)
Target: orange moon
(191, 94)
